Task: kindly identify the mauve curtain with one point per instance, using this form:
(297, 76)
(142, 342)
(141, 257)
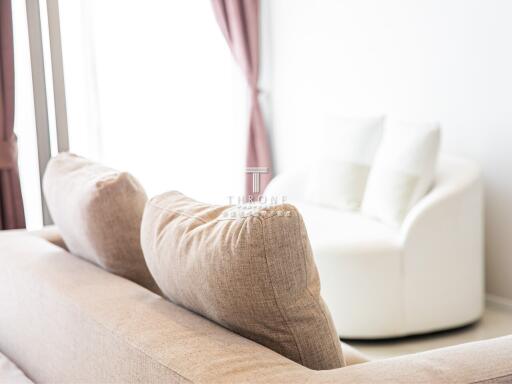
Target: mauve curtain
(239, 22)
(11, 203)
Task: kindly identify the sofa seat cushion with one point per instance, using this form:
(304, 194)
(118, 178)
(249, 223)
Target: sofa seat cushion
(251, 273)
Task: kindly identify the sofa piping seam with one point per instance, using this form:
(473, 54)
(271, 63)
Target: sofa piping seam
(483, 381)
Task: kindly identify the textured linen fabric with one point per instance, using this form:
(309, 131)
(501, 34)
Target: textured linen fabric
(98, 211)
(63, 320)
(253, 274)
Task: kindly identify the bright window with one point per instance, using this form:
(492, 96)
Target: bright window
(153, 89)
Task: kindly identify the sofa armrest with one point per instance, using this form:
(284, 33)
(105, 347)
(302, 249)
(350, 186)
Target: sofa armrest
(487, 361)
(456, 180)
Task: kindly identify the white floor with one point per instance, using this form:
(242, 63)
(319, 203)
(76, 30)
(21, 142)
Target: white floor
(497, 321)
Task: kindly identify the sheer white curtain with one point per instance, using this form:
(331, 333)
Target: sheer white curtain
(153, 89)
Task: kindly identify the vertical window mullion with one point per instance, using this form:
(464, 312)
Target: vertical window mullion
(48, 84)
(59, 92)
(40, 95)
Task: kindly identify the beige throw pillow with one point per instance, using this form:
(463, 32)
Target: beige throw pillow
(254, 274)
(98, 211)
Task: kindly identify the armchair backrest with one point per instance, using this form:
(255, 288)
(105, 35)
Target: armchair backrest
(452, 172)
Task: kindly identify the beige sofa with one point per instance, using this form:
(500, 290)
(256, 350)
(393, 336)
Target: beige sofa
(64, 320)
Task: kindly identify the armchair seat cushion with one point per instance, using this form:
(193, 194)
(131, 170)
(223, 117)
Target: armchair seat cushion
(332, 230)
(359, 260)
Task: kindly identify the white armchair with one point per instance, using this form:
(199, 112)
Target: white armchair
(380, 281)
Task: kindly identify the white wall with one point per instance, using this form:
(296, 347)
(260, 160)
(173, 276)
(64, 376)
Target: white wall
(446, 60)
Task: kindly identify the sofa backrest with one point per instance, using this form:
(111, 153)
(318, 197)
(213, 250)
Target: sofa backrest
(62, 320)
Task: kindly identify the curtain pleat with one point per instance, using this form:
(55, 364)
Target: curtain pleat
(12, 215)
(239, 22)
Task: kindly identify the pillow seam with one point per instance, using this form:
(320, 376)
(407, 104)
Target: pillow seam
(176, 211)
(317, 304)
(285, 319)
